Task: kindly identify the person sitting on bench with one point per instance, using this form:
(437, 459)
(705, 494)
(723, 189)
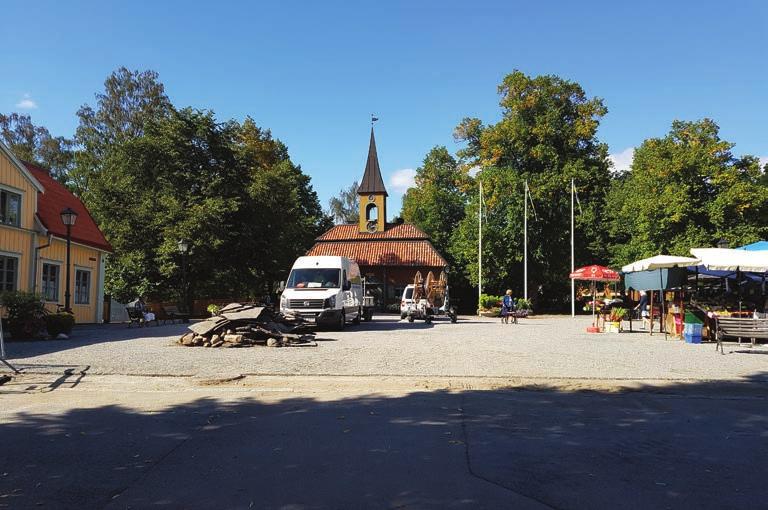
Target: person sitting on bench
(141, 306)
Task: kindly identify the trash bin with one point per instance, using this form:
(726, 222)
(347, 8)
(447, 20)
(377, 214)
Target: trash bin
(692, 332)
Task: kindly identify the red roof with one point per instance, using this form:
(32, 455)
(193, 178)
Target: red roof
(58, 197)
(351, 232)
(383, 253)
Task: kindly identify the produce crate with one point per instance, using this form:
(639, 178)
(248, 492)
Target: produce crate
(693, 329)
(692, 339)
(690, 318)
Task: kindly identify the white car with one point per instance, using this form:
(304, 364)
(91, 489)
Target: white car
(406, 301)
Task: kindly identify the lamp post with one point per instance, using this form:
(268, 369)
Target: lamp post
(722, 243)
(183, 245)
(68, 217)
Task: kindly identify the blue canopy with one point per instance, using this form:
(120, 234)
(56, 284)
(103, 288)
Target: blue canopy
(758, 246)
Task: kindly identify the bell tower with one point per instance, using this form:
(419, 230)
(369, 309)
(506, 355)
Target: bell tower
(372, 194)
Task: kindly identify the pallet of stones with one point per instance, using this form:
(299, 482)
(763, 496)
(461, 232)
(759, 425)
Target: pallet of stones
(245, 325)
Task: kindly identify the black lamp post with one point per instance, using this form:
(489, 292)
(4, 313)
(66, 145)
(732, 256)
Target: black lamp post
(722, 243)
(68, 217)
(184, 249)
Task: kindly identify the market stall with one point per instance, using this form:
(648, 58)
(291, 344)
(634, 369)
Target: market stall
(662, 273)
(594, 274)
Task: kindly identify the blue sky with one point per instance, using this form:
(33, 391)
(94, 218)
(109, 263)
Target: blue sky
(313, 72)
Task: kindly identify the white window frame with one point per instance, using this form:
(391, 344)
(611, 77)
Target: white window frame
(57, 265)
(90, 283)
(20, 194)
(18, 270)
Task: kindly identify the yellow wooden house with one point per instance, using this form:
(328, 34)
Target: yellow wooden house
(33, 241)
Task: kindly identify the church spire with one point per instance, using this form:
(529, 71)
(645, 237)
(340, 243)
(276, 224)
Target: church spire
(372, 181)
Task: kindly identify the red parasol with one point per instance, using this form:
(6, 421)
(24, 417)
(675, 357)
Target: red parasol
(596, 274)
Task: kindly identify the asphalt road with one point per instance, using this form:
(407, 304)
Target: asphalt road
(69, 445)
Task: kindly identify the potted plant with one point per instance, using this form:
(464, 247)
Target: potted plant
(524, 305)
(213, 309)
(26, 314)
(490, 306)
(614, 320)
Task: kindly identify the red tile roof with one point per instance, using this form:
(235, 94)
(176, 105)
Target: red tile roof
(383, 253)
(58, 197)
(351, 232)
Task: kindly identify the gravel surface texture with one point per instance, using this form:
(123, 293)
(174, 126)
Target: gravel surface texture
(540, 347)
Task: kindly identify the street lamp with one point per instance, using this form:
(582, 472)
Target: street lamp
(183, 246)
(722, 243)
(68, 217)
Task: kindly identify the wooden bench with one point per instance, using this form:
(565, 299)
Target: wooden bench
(737, 327)
(173, 314)
(135, 316)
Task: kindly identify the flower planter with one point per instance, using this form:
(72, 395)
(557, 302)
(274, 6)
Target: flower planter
(613, 327)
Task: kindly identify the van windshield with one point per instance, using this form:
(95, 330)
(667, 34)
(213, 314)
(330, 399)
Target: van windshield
(409, 293)
(314, 278)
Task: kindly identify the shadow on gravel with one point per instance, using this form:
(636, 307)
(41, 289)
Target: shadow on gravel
(89, 335)
(685, 446)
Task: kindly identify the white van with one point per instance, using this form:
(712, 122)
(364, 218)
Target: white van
(324, 290)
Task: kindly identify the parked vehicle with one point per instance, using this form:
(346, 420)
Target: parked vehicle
(325, 290)
(427, 298)
(406, 301)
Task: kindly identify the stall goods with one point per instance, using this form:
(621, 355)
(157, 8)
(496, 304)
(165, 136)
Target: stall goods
(246, 325)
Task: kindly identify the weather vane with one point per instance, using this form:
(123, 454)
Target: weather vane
(374, 118)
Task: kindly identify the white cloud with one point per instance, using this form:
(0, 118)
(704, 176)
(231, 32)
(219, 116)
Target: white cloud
(26, 103)
(403, 179)
(763, 161)
(473, 171)
(622, 160)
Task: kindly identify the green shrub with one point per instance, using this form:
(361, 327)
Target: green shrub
(489, 301)
(213, 309)
(524, 304)
(26, 313)
(57, 323)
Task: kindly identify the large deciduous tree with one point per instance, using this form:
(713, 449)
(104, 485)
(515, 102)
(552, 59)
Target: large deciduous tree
(686, 190)
(436, 202)
(547, 135)
(130, 100)
(35, 144)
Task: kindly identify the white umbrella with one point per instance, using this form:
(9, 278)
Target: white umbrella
(724, 259)
(659, 262)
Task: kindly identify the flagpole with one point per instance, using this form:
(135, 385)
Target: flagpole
(525, 244)
(480, 248)
(573, 266)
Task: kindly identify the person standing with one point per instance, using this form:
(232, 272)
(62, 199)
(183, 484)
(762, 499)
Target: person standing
(642, 305)
(507, 306)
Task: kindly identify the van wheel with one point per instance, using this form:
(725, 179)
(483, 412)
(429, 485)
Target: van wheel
(356, 320)
(410, 318)
(403, 316)
(342, 321)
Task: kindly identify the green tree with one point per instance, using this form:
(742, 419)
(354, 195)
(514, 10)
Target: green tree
(130, 100)
(230, 189)
(547, 135)
(436, 203)
(686, 190)
(35, 144)
(345, 207)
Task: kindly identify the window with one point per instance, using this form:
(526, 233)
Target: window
(50, 286)
(82, 287)
(371, 212)
(318, 278)
(9, 270)
(10, 208)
